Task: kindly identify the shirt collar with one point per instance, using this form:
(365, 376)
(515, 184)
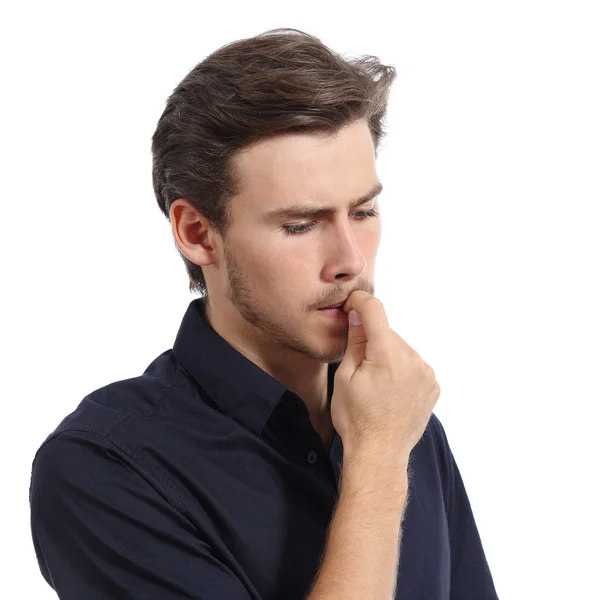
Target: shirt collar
(240, 388)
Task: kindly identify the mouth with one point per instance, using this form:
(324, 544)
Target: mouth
(332, 307)
(337, 305)
(335, 312)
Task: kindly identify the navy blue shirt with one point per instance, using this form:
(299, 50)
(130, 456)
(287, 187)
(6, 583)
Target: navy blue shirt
(204, 478)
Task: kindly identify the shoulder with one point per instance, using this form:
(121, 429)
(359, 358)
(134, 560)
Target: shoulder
(74, 458)
(104, 409)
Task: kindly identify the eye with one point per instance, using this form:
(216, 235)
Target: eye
(300, 229)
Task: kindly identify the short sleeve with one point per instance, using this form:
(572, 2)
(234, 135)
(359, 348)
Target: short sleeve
(101, 530)
(470, 577)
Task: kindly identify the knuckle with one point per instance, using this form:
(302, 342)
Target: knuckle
(372, 301)
(415, 358)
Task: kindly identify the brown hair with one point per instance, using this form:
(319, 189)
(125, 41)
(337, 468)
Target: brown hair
(283, 80)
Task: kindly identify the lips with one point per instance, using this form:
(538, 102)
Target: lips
(334, 306)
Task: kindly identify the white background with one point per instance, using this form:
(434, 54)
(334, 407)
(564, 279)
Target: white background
(488, 264)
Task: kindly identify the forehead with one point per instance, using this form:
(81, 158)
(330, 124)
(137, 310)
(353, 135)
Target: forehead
(306, 167)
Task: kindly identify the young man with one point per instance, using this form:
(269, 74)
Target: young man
(233, 468)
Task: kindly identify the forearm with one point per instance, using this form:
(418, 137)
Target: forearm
(363, 546)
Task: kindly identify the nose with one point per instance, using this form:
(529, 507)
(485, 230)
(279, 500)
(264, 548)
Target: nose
(347, 260)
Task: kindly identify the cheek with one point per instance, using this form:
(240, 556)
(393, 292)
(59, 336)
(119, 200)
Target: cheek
(375, 239)
(369, 240)
(288, 274)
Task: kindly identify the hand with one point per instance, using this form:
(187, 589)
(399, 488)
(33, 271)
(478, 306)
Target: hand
(384, 393)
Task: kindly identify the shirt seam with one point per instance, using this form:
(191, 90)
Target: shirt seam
(140, 456)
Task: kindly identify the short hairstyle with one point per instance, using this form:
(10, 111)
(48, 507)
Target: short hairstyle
(282, 80)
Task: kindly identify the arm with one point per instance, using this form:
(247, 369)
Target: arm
(363, 546)
(471, 578)
(101, 530)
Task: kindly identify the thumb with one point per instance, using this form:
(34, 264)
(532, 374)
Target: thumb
(354, 318)
(357, 342)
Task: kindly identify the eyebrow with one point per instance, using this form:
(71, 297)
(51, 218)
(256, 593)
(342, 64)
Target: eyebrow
(303, 211)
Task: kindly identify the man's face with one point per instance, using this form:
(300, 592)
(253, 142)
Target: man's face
(277, 280)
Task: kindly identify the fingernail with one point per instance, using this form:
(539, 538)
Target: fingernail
(354, 318)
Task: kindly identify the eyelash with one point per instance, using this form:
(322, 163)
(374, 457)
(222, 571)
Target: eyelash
(300, 229)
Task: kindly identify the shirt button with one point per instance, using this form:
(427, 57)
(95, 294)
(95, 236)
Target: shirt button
(312, 457)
